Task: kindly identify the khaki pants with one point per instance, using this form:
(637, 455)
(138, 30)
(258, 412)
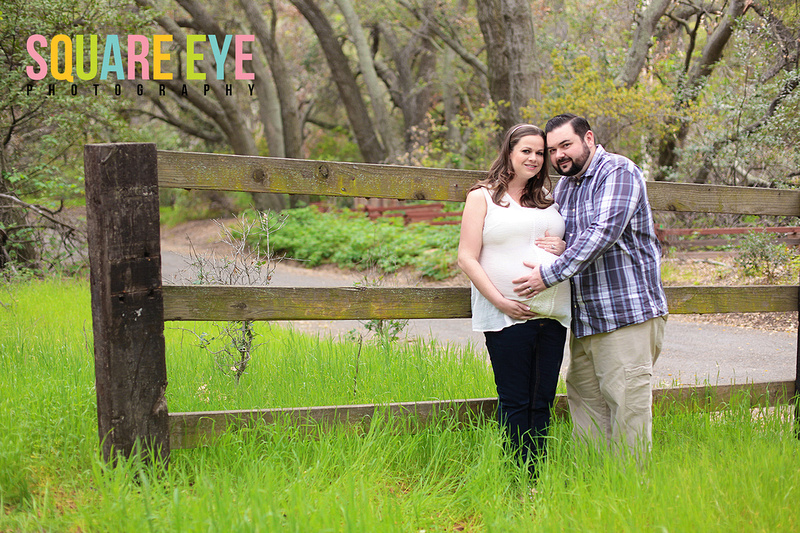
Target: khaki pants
(609, 384)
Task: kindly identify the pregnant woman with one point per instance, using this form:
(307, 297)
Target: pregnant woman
(508, 218)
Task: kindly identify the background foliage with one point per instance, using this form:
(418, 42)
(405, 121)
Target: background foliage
(349, 239)
(693, 91)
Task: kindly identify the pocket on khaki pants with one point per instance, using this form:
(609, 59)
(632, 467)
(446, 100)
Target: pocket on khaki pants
(638, 395)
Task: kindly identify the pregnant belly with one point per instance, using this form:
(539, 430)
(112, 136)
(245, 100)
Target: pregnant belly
(503, 270)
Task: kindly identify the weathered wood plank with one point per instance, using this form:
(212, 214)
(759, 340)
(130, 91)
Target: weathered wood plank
(731, 299)
(127, 305)
(192, 170)
(717, 397)
(722, 199)
(187, 170)
(351, 303)
(727, 231)
(313, 303)
(705, 243)
(189, 430)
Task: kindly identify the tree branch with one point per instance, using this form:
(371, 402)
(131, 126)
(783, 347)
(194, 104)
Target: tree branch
(715, 46)
(789, 54)
(449, 40)
(708, 158)
(239, 136)
(42, 212)
(636, 57)
(168, 118)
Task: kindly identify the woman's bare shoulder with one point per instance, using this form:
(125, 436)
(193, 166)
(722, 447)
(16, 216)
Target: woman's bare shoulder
(478, 191)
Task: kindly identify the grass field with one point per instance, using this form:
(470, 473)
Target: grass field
(727, 471)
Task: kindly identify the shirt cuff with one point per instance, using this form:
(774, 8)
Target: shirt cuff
(548, 276)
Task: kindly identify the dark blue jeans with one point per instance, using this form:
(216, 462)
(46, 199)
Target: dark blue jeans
(526, 359)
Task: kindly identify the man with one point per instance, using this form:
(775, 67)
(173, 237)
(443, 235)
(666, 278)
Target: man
(619, 308)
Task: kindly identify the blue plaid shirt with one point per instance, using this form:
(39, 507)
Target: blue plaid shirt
(612, 256)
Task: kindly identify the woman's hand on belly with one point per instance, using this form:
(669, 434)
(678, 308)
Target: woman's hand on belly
(514, 309)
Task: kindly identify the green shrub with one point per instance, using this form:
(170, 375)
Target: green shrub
(349, 239)
(763, 254)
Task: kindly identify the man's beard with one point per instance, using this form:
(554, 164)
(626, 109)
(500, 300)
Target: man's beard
(577, 165)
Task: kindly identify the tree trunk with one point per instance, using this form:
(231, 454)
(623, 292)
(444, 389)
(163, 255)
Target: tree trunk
(371, 149)
(415, 65)
(284, 84)
(715, 45)
(523, 67)
(233, 123)
(507, 28)
(645, 27)
(695, 79)
(269, 108)
(231, 118)
(377, 93)
(467, 56)
(450, 101)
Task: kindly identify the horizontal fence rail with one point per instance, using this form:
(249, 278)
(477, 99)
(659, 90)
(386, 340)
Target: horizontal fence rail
(219, 302)
(684, 232)
(189, 170)
(688, 237)
(189, 430)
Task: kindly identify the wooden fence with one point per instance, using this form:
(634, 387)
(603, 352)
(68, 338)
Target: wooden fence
(130, 305)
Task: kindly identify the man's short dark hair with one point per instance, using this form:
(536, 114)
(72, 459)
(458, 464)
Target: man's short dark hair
(579, 124)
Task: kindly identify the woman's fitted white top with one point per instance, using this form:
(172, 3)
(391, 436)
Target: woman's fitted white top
(508, 240)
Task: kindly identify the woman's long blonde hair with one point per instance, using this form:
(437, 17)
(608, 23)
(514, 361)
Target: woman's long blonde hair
(501, 172)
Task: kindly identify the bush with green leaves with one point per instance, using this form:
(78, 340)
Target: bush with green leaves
(762, 254)
(348, 239)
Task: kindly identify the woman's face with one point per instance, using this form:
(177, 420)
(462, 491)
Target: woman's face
(527, 157)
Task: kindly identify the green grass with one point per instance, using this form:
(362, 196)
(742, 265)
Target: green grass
(289, 369)
(725, 471)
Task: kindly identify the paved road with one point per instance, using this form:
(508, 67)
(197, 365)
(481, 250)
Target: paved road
(693, 353)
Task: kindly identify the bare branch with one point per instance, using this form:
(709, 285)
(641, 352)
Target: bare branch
(449, 40)
(168, 118)
(42, 212)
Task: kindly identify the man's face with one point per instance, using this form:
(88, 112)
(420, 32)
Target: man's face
(569, 153)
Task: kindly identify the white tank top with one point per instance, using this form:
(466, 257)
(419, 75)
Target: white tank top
(508, 240)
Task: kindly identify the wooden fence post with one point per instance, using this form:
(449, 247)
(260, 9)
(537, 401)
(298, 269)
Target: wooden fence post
(127, 306)
(795, 401)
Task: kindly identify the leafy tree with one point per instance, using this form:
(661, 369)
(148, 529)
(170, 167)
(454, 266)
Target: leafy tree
(618, 114)
(692, 91)
(349, 91)
(44, 124)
